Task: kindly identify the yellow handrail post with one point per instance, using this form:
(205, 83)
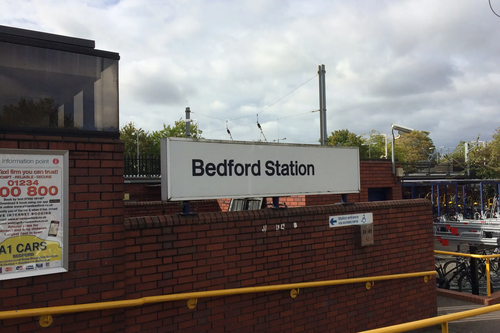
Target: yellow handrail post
(192, 303)
(444, 327)
(488, 277)
(45, 320)
(478, 256)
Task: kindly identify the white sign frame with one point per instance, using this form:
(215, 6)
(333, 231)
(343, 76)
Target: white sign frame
(194, 169)
(36, 212)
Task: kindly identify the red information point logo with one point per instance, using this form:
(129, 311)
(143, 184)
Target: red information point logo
(55, 161)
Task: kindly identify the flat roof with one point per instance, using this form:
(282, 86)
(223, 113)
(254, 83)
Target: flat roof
(53, 41)
(46, 36)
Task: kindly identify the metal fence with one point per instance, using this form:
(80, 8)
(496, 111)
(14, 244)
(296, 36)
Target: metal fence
(430, 168)
(146, 166)
(150, 166)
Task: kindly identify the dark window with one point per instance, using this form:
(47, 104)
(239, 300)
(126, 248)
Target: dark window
(377, 194)
(52, 89)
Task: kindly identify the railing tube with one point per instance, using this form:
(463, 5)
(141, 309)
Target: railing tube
(487, 257)
(488, 277)
(200, 294)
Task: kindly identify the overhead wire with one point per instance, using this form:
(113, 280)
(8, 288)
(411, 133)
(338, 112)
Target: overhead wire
(204, 115)
(288, 94)
(211, 132)
(294, 115)
(258, 124)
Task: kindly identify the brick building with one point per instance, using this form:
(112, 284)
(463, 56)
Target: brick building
(114, 253)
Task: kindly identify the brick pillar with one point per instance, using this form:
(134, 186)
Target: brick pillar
(96, 238)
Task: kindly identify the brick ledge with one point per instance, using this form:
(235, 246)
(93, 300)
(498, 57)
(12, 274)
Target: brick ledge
(478, 299)
(144, 222)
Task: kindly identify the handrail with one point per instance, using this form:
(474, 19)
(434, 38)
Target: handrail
(460, 254)
(477, 256)
(193, 296)
(441, 320)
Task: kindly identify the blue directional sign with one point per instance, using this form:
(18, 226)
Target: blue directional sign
(352, 219)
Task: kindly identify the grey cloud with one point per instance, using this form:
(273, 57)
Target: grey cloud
(415, 76)
(431, 65)
(157, 90)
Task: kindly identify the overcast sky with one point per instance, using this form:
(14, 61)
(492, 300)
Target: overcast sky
(426, 64)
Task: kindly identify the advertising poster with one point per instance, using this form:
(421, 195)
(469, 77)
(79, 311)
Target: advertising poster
(33, 212)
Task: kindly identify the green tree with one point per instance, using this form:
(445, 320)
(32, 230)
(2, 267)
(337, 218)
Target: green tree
(457, 156)
(345, 138)
(149, 143)
(414, 146)
(376, 144)
(485, 160)
(130, 135)
(178, 131)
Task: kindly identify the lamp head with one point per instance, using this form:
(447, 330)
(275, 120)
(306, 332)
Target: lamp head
(401, 128)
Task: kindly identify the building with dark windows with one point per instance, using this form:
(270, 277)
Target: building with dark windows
(56, 84)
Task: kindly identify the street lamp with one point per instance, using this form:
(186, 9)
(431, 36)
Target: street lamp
(441, 152)
(138, 162)
(385, 137)
(400, 129)
(432, 154)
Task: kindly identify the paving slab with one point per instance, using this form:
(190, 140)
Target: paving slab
(486, 323)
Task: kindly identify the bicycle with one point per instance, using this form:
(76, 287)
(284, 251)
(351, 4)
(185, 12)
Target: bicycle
(456, 274)
(450, 272)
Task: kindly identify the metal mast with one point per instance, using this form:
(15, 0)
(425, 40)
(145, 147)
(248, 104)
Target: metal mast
(322, 105)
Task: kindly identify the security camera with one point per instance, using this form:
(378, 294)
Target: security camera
(402, 129)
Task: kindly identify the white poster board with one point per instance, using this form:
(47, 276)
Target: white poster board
(33, 212)
(208, 169)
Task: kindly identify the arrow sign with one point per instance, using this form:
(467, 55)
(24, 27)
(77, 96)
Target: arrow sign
(353, 219)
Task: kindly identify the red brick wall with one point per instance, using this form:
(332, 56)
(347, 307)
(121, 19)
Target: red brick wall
(149, 208)
(143, 189)
(378, 174)
(111, 259)
(373, 174)
(224, 204)
(96, 240)
(175, 254)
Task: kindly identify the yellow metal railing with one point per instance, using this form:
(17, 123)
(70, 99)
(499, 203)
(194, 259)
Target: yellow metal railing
(46, 313)
(487, 257)
(441, 320)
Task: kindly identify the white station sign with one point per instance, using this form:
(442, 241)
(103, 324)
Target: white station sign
(207, 169)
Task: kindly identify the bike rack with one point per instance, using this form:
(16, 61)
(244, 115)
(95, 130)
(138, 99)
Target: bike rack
(474, 232)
